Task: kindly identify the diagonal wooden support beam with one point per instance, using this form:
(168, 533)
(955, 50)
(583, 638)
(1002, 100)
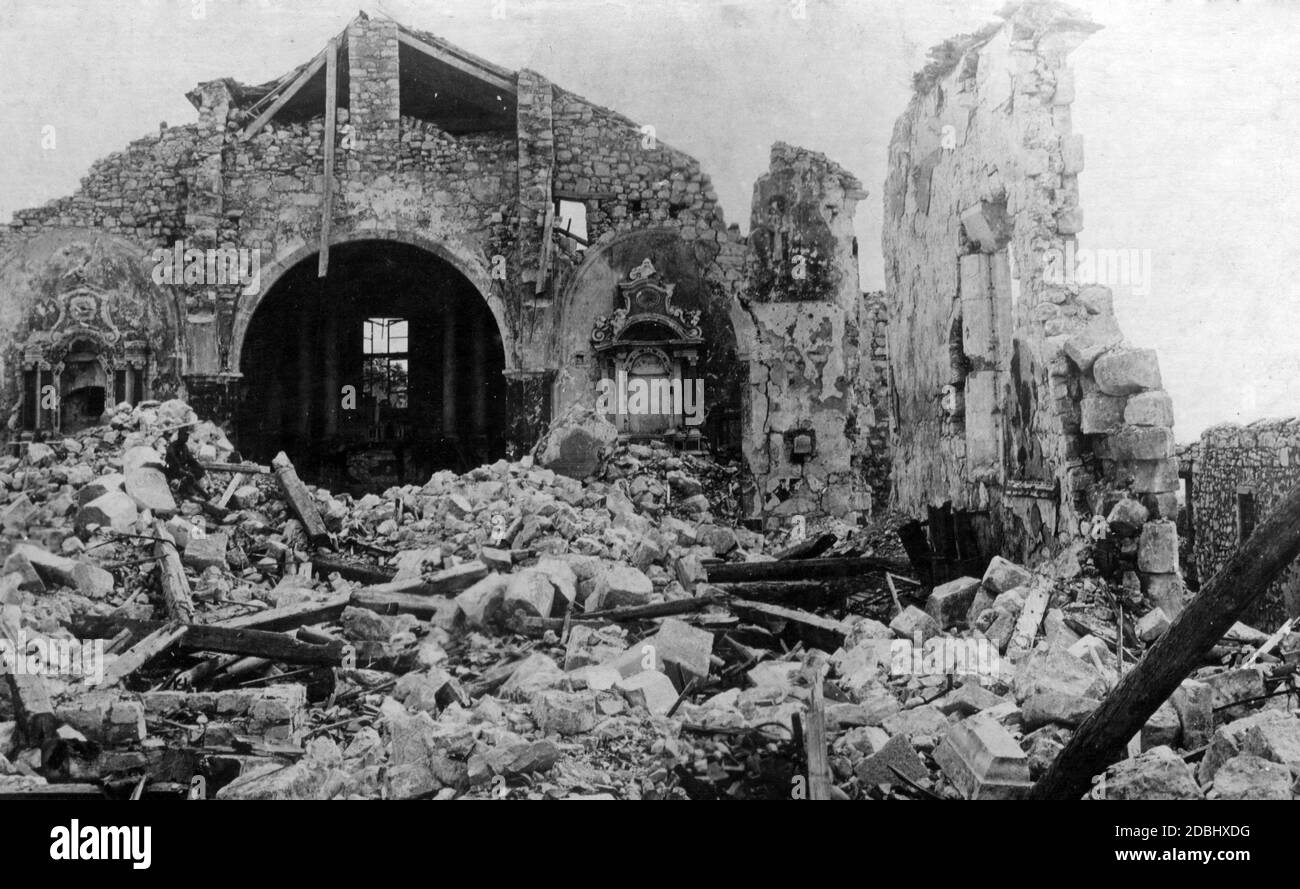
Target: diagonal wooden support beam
(327, 183)
(307, 74)
(461, 64)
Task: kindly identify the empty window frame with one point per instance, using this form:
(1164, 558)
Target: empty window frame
(571, 221)
(1245, 514)
(386, 371)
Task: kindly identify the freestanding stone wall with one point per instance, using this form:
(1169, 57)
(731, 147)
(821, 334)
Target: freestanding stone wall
(1018, 400)
(1236, 475)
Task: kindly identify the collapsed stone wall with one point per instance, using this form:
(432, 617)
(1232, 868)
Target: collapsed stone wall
(1017, 398)
(1237, 474)
(798, 324)
(874, 396)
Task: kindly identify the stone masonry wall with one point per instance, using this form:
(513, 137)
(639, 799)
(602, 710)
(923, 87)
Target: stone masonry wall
(1017, 397)
(1260, 461)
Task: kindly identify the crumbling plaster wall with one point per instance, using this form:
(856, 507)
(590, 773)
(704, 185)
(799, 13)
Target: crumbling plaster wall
(1050, 416)
(1261, 461)
(797, 326)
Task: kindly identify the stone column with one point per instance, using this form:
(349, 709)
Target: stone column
(478, 379)
(449, 369)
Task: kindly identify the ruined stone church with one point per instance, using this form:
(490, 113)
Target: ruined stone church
(401, 257)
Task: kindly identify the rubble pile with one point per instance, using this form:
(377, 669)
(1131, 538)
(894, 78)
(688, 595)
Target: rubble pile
(514, 632)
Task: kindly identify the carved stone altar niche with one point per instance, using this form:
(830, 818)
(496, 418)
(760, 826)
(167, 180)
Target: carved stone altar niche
(87, 350)
(650, 344)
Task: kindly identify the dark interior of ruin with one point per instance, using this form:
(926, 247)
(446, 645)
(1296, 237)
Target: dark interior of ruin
(388, 369)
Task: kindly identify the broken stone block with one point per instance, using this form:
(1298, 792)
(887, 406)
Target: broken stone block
(576, 444)
(949, 602)
(1149, 409)
(925, 721)
(1127, 517)
(913, 620)
(897, 753)
(496, 559)
(142, 467)
(983, 760)
(1043, 746)
(1056, 670)
(649, 689)
(1193, 702)
(1153, 476)
(564, 713)
(1002, 576)
(1056, 708)
(88, 579)
(1165, 591)
(563, 578)
(1162, 728)
(1152, 625)
(17, 563)
(1158, 548)
(112, 510)
(528, 593)
(1100, 413)
(680, 651)
(535, 673)
(619, 586)
(480, 603)
(1086, 347)
(1228, 741)
(1134, 443)
(1127, 371)
(971, 698)
(208, 551)
(1278, 741)
(590, 645)
(1158, 773)
(1231, 686)
(1246, 776)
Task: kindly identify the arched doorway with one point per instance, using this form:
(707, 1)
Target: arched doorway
(380, 373)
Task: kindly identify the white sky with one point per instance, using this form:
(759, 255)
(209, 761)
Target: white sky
(1187, 111)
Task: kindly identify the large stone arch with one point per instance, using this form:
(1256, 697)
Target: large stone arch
(464, 261)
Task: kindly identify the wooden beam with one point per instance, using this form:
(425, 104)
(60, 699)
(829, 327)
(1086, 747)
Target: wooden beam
(327, 182)
(815, 743)
(461, 64)
(171, 575)
(1101, 740)
(290, 617)
(277, 647)
(798, 569)
(544, 264)
(249, 468)
(142, 652)
(307, 73)
(304, 506)
(235, 481)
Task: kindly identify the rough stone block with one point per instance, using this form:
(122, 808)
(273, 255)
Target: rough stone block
(649, 689)
(1194, 703)
(1127, 517)
(112, 510)
(205, 552)
(480, 603)
(1056, 708)
(1252, 777)
(1101, 413)
(1056, 670)
(564, 713)
(1159, 773)
(1003, 575)
(898, 753)
(1158, 548)
(1232, 686)
(983, 760)
(1149, 409)
(1152, 476)
(949, 602)
(1162, 728)
(1126, 372)
(1132, 443)
(1152, 625)
(1165, 591)
(618, 586)
(913, 620)
(1228, 740)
